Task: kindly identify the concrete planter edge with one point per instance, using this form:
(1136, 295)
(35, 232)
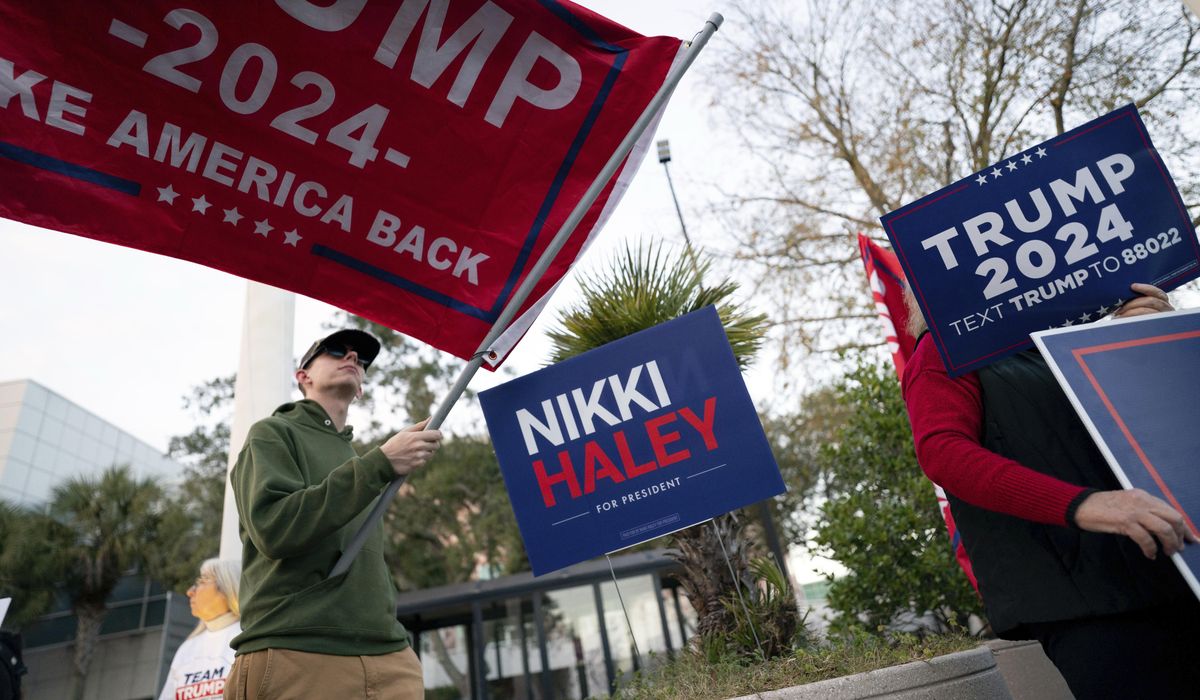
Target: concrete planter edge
(964, 674)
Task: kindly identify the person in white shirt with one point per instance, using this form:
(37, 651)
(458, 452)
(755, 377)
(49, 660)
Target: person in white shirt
(201, 665)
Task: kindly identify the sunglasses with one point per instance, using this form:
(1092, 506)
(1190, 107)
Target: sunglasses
(339, 353)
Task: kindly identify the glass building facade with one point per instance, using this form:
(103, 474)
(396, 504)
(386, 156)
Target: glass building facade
(138, 638)
(564, 635)
(44, 439)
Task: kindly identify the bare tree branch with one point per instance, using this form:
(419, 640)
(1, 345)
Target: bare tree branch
(1186, 58)
(1058, 97)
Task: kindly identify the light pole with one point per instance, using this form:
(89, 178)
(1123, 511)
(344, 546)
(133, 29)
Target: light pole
(764, 508)
(664, 157)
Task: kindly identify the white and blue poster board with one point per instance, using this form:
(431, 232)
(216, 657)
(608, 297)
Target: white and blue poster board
(631, 441)
(1047, 238)
(1135, 383)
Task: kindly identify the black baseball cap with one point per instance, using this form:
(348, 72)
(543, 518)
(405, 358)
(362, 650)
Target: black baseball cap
(361, 342)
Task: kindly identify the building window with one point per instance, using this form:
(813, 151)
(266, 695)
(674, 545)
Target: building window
(576, 654)
(445, 661)
(681, 618)
(511, 658)
(641, 600)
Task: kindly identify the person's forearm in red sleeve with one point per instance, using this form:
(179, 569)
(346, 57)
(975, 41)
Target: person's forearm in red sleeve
(946, 424)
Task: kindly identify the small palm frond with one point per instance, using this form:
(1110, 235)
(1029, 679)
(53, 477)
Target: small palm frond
(643, 288)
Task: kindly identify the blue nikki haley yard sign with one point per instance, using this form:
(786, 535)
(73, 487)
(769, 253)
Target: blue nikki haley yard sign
(631, 441)
(1048, 238)
(1136, 385)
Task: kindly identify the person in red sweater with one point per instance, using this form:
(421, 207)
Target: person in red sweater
(1062, 553)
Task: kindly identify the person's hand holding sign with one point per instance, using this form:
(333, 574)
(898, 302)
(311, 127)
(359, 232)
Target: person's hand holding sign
(1134, 513)
(1138, 515)
(1151, 300)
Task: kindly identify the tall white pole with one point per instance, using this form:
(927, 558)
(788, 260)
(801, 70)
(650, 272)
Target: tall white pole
(264, 381)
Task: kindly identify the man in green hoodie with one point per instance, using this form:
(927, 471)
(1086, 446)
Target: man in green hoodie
(302, 492)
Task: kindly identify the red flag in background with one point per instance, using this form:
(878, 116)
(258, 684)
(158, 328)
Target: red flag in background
(886, 280)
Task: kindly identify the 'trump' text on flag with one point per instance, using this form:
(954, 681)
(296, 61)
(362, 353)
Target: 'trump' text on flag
(406, 161)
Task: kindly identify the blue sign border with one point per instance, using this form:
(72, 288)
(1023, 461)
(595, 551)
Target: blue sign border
(1108, 371)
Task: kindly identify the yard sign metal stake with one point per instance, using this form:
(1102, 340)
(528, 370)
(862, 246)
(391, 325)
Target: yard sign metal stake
(636, 654)
(737, 586)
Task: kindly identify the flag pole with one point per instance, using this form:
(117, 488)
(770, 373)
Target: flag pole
(535, 274)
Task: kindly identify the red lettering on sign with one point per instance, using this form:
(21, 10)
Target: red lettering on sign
(567, 474)
(627, 460)
(592, 454)
(705, 426)
(597, 463)
(659, 441)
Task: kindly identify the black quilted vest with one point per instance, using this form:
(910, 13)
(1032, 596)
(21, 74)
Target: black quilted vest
(1029, 572)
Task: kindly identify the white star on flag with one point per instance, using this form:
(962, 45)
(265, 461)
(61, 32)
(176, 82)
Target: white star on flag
(200, 204)
(1102, 310)
(232, 216)
(167, 194)
(1068, 323)
(982, 179)
(996, 173)
(1026, 159)
(1085, 318)
(292, 238)
(263, 227)
(1012, 165)
(1041, 152)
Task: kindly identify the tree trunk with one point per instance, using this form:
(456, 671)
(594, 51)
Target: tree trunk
(457, 677)
(706, 577)
(86, 633)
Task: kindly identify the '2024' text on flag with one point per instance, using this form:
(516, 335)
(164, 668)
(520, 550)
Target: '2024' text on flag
(407, 161)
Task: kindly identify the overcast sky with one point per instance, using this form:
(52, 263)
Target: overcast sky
(126, 334)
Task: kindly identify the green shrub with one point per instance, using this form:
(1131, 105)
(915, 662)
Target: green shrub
(777, 627)
(880, 519)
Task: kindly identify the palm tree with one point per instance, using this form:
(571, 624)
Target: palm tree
(98, 528)
(28, 570)
(644, 288)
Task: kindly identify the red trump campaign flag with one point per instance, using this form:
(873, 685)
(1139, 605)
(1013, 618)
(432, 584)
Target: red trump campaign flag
(407, 161)
(886, 279)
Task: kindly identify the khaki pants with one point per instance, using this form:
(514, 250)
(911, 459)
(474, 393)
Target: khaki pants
(283, 674)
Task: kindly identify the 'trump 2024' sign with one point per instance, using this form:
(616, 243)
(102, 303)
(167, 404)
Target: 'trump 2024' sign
(1047, 238)
(406, 160)
(628, 442)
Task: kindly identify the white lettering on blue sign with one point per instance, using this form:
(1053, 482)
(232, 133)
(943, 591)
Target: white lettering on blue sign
(984, 231)
(579, 412)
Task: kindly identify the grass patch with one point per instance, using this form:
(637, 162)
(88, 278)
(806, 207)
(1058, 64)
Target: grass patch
(694, 677)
